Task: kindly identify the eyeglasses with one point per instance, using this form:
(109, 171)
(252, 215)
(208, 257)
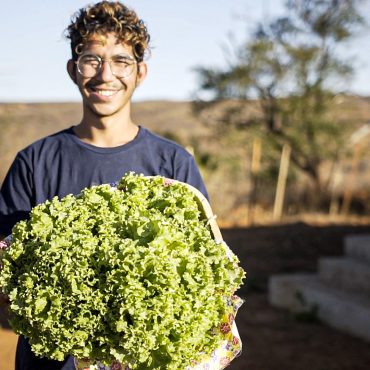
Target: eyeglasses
(89, 65)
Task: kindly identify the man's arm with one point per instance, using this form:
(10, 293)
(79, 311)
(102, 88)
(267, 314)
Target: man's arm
(188, 171)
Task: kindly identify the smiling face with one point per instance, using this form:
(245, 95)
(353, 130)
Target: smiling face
(106, 94)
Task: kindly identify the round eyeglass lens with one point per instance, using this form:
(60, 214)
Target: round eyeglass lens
(90, 65)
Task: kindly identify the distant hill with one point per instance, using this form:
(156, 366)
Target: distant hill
(21, 124)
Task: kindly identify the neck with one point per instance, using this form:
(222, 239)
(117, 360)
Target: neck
(106, 131)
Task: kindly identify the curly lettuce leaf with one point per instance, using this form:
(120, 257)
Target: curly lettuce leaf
(130, 274)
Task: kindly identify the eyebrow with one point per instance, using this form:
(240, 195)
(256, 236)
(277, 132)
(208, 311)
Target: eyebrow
(123, 55)
(119, 55)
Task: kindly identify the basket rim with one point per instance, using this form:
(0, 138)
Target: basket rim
(203, 202)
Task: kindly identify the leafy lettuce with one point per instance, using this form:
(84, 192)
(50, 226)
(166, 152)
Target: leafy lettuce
(129, 273)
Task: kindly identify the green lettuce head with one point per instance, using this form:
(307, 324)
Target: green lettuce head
(131, 273)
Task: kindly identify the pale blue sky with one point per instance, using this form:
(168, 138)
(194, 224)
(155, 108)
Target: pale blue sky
(185, 33)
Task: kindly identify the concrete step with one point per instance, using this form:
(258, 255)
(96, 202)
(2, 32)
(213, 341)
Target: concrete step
(345, 273)
(358, 247)
(344, 311)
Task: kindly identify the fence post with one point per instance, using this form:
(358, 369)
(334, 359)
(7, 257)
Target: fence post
(255, 169)
(281, 184)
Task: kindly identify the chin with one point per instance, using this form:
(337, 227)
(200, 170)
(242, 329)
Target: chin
(104, 113)
(105, 110)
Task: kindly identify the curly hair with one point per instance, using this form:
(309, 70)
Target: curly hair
(106, 17)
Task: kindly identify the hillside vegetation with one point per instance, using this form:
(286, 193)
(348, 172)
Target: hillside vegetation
(223, 153)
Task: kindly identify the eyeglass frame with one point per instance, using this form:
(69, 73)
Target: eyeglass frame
(103, 60)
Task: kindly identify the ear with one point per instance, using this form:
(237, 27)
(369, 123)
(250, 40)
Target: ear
(71, 68)
(142, 71)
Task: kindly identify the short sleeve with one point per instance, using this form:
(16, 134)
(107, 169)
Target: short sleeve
(16, 195)
(187, 171)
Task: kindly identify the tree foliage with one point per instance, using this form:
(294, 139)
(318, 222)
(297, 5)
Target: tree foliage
(292, 68)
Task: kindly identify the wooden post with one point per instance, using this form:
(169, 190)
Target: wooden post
(255, 168)
(256, 156)
(281, 184)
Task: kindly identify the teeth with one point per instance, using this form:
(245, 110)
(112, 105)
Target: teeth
(106, 92)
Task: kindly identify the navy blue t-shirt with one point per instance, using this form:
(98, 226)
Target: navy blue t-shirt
(62, 164)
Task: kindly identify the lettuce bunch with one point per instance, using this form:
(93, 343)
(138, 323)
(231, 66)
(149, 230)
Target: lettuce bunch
(129, 273)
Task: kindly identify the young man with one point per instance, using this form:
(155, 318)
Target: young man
(108, 44)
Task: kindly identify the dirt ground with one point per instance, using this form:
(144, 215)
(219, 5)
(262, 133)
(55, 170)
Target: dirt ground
(274, 339)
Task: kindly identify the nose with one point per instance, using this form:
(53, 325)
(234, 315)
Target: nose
(105, 72)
